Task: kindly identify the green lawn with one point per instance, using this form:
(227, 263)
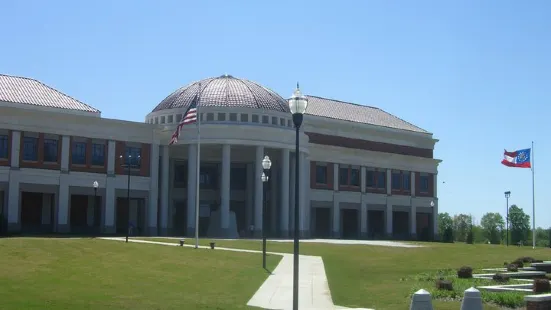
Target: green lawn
(43, 273)
(380, 277)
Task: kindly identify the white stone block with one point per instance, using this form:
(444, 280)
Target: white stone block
(472, 300)
(421, 300)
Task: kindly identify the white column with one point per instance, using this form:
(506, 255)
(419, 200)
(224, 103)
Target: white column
(63, 208)
(258, 194)
(389, 214)
(388, 182)
(14, 223)
(15, 148)
(191, 188)
(413, 220)
(153, 192)
(363, 204)
(336, 177)
(284, 203)
(435, 185)
(249, 196)
(111, 157)
(336, 217)
(435, 219)
(90, 212)
(225, 190)
(274, 176)
(165, 183)
(110, 205)
(46, 209)
(65, 153)
(412, 183)
(292, 182)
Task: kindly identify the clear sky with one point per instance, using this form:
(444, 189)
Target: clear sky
(477, 74)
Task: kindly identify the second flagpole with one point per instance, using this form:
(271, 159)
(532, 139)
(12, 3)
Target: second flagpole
(533, 202)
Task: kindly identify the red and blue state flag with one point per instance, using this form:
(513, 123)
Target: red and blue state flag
(517, 159)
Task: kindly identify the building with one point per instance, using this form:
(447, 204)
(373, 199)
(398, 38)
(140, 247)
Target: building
(364, 172)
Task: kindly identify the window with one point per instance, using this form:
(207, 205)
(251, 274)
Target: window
(321, 174)
(265, 119)
(233, 117)
(50, 150)
(210, 117)
(132, 156)
(238, 178)
(98, 154)
(244, 118)
(255, 118)
(370, 180)
(180, 175)
(282, 122)
(424, 180)
(78, 153)
(396, 181)
(406, 181)
(162, 119)
(376, 179)
(4, 147)
(221, 117)
(381, 179)
(170, 119)
(349, 176)
(30, 148)
(274, 120)
(208, 177)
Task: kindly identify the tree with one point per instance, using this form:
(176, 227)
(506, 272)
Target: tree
(520, 224)
(492, 225)
(461, 227)
(445, 227)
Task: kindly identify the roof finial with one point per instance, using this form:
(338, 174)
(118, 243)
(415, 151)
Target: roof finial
(298, 86)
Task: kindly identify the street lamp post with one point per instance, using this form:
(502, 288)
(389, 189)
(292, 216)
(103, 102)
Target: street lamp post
(297, 104)
(129, 165)
(95, 185)
(507, 195)
(266, 165)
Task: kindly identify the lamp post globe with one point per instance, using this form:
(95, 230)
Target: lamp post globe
(95, 184)
(432, 203)
(298, 104)
(264, 177)
(266, 163)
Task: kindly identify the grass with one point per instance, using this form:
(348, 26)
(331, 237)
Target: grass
(42, 273)
(372, 276)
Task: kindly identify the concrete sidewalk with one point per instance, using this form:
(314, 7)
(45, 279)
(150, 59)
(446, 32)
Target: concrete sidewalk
(277, 291)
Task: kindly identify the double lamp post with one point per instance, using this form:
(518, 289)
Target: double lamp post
(131, 162)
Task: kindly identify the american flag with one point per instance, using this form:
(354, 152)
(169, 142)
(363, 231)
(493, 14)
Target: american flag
(189, 117)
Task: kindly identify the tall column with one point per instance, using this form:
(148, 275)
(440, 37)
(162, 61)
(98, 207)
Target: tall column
(413, 221)
(111, 157)
(65, 153)
(109, 226)
(153, 192)
(225, 191)
(363, 205)
(304, 194)
(191, 188)
(435, 220)
(389, 182)
(292, 180)
(388, 213)
(336, 217)
(165, 183)
(249, 197)
(274, 176)
(13, 195)
(63, 224)
(284, 184)
(258, 194)
(412, 183)
(435, 185)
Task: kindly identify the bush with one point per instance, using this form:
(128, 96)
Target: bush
(512, 268)
(536, 261)
(526, 259)
(505, 264)
(501, 278)
(518, 262)
(465, 272)
(541, 286)
(442, 284)
(448, 235)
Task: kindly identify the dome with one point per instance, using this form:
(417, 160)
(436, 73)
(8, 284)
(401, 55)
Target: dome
(225, 91)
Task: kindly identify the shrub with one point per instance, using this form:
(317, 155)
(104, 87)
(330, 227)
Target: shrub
(448, 235)
(518, 262)
(505, 264)
(465, 272)
(442, 284)
(499, 277)
(537, 261)
(470, 237)
(526, 259)
(512, 268)
(541, 286)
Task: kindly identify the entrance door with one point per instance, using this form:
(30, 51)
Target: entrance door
(31, 212)
(323, 222)
(179, 224)
(349, 220)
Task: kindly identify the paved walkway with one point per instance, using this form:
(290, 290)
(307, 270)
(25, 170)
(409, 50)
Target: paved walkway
(277, 291)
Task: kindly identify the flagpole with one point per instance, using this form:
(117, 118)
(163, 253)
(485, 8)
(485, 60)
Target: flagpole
(198, 168)
(533, 202)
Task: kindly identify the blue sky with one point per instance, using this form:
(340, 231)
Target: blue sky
(475, 73)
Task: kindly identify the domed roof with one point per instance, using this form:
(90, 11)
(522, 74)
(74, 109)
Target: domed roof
(225, 91)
